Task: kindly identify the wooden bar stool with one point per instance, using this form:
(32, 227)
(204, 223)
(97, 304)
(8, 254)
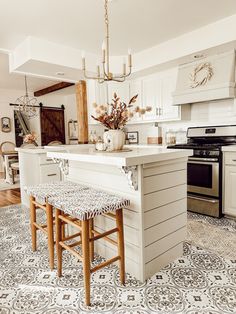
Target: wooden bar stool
(84, 206)
(39, 195)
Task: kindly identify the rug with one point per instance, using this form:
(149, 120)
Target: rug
(199, 282)
(213, 234)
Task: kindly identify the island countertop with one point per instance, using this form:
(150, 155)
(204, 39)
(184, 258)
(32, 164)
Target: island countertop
(136, 156)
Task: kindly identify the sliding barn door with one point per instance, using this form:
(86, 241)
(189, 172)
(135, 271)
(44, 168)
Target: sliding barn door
(52, 125)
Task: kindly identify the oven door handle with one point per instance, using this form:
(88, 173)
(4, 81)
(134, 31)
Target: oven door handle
(203, 199)
(202, 159)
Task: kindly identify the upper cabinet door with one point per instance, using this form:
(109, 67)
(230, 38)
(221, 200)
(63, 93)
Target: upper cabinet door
(168, 111)
(135, 88)
(151, 96)
(102, 93)
(120, 88)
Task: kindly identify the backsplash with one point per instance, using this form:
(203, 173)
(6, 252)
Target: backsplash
(221, 112)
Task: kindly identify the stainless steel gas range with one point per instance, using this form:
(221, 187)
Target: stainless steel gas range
(204, 168)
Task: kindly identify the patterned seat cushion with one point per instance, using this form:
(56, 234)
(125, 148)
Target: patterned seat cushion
(44, 190)
(86, 204)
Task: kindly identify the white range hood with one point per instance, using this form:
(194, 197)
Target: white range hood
(207, 79)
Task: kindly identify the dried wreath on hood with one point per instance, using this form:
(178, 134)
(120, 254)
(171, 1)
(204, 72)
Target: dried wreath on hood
(115, 115)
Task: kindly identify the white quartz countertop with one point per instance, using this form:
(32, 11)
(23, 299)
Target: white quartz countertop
(45, 149)
(230, 148)
(138, 155)
(31, 150)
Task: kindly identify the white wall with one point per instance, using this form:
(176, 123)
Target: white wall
(6, 97)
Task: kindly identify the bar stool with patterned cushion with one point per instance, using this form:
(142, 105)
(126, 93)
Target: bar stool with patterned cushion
(39, 195)
(85, 205)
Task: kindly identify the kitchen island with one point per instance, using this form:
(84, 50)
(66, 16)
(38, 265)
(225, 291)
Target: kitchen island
(154, 179)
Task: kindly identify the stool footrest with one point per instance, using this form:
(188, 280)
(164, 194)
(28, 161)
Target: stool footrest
(72, 251)
(42, 228)
(76, 224)
(39, 205)
(104, 235)
(72, 236)
(75, 243)
(104, 264)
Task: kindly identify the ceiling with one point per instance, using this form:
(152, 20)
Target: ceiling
(138, 24)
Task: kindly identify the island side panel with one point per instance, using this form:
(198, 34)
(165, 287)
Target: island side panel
(111, 179)
(29, 172)
(165, 212)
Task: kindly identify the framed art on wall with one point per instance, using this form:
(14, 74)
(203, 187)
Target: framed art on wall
(5, 124)
(132, 137)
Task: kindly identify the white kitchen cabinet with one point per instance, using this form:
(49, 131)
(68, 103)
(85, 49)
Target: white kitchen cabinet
(121, 89)
(154, 90)
(102, 93)
(167, 110)
(229, 185)
(135, 88)
(49, 173)
(151, 96)
(96, 93)
(36, 168)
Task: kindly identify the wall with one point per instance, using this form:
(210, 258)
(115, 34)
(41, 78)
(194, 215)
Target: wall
(6, 97)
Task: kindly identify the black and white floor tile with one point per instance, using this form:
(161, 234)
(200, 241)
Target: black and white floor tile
(197, 283)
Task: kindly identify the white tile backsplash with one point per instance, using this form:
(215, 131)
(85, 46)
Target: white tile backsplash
(220, 112)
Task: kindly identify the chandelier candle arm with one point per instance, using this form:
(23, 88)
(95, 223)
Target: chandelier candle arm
(129, 58)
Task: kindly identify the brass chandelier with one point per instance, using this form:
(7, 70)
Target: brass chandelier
(26, 104)
(106, 75)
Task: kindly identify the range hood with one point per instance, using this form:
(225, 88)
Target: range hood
(207, 79)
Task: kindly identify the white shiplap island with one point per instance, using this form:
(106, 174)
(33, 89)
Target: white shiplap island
(154, 179)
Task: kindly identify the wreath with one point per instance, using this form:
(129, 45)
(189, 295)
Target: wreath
(206, 69)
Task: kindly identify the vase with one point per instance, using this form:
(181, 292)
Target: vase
(114, 140)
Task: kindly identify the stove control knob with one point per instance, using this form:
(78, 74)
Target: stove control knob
(207, 153)
(201, 153)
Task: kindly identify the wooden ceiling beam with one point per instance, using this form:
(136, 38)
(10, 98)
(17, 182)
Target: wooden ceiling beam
(52, 88)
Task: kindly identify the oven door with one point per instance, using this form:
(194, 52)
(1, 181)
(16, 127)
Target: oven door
(203, 176)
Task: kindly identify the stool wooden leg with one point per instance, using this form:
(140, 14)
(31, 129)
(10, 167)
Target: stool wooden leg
(49, 212)
(32, 221)
(121, 247)
(86, 259)
(63, 231)
(58, 239)
(91, 226)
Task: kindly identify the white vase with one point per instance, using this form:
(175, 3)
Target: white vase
(114, 140)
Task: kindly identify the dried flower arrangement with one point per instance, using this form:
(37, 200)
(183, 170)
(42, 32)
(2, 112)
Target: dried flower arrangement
(30, 138)
(115, 115)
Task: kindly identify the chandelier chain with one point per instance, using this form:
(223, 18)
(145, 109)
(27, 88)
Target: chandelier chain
(106, 12)
(26, 87)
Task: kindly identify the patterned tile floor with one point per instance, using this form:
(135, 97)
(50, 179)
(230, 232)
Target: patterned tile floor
(197, 283)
